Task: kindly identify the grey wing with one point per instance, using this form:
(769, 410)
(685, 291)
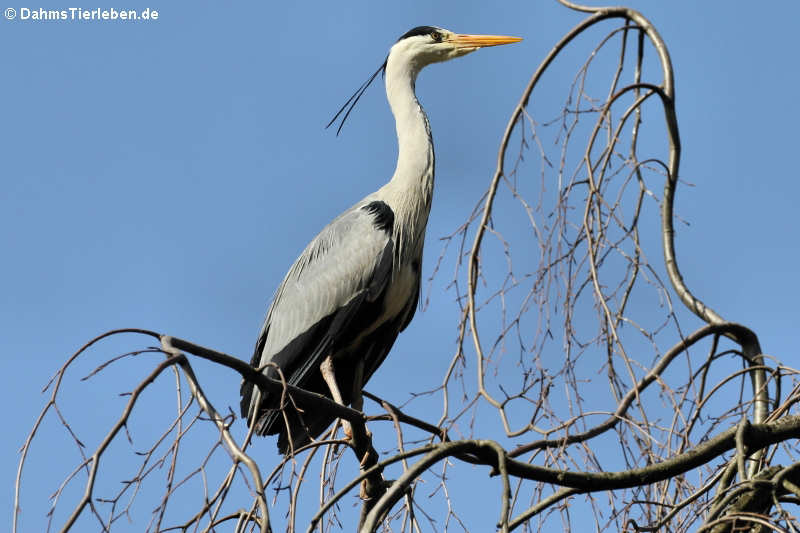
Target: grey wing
(347, 264)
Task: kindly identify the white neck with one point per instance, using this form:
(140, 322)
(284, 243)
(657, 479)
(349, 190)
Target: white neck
(415, 147)
(410, 191)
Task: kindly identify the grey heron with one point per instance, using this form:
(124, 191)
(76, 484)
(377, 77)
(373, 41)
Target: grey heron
(356, 285)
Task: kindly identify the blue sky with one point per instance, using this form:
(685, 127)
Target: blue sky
(164, 175)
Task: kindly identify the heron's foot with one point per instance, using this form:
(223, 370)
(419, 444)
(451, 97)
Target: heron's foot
(348, 433)
(364, 460)
(387, 484)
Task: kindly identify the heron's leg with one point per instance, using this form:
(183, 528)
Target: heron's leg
(357, 402)
(329, 375)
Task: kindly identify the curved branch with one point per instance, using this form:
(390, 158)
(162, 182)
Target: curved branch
(666, 91)
(301, 397)
(233, 448)
(55, 381)
(630, 396)
(95, 458)
(755, 437)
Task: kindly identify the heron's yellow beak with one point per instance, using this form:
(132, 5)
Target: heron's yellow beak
(479, 41)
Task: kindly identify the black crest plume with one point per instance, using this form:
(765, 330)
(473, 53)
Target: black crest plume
(353, 100)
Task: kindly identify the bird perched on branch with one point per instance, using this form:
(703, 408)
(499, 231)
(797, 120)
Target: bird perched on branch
(355, 287)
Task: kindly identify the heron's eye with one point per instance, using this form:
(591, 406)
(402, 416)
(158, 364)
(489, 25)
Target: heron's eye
(436, 36)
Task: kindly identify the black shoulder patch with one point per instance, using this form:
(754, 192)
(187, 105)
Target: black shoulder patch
(419, 30)
(384, 216)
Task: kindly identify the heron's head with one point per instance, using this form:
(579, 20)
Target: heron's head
(424, 45)
(418, 48)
